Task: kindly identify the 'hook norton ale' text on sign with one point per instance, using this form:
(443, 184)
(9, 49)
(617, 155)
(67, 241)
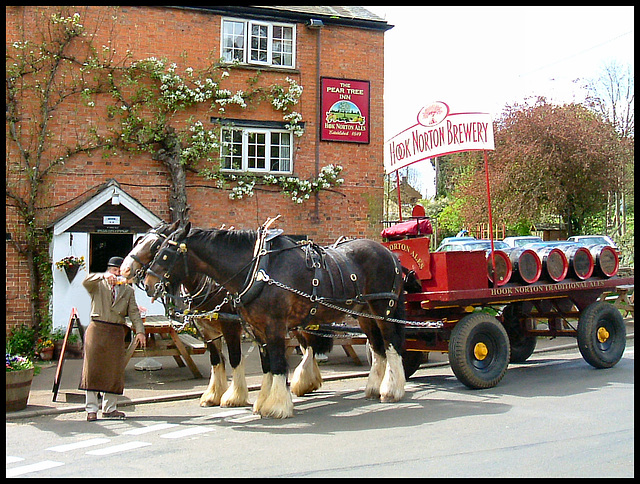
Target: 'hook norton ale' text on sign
(345, 110)
(438, 132)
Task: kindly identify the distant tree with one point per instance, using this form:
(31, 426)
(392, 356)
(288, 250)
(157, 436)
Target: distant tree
(612, 96)
(548, 160)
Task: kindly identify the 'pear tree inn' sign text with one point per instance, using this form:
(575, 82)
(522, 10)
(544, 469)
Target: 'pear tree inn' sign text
(438, 132)
(345, 110)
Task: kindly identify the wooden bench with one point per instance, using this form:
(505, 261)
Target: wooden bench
(167, 343)
(347, 344)
(622, 298)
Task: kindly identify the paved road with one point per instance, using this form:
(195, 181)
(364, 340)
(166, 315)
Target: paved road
(554, 416)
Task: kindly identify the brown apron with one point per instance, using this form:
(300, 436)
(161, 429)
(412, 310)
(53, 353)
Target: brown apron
(104, 354)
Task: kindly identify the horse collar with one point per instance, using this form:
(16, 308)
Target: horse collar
(254, 284)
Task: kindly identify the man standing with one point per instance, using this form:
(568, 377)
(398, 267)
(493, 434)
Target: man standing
(104, 351)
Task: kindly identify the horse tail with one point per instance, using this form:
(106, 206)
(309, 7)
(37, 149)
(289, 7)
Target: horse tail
(400, 309)
(322, 345)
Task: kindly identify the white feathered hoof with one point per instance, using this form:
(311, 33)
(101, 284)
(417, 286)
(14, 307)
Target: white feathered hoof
(306, 377)
(392, 386)
(237, 395)
(279, 403)
(265, 389)
(217, 386)
(376, 374)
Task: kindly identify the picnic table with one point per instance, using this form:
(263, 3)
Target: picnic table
(622, 298)
(164, 340)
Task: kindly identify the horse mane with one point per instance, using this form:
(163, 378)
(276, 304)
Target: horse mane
(233, 237)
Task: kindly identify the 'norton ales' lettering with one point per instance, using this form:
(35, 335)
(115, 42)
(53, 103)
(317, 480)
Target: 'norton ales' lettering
(407, 250)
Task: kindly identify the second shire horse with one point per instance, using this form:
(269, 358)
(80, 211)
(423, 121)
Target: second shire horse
(278, 285)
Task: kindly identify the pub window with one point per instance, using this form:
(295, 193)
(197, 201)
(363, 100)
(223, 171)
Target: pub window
(262, 43)
(256, 150)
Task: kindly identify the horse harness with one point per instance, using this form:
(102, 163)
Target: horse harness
(317, 258)
(320, 260)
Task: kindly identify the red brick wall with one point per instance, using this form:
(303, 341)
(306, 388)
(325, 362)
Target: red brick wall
(191, 38)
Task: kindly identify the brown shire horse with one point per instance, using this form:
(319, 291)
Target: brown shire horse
(282, 285)
(211, 295)
(205, 296)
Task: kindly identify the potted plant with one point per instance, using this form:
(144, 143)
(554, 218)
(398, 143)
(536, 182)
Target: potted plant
(74, 345)
(70, 265)
(44, 347)
(20, 371)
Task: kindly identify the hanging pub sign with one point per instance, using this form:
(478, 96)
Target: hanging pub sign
(438, 132)
(344, 110)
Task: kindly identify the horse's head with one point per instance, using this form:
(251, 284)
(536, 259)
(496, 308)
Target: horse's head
(169, 264)
(145, 248)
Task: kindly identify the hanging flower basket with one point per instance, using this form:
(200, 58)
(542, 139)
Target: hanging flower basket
(71, 272)
(70, 265)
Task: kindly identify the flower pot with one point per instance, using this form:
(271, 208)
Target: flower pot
(71, 272)
(18, 388)
(73, 350)
(46, 354)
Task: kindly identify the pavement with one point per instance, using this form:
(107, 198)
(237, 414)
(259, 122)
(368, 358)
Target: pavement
(178, 383)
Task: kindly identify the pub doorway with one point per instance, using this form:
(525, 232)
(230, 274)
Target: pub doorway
(104, 246)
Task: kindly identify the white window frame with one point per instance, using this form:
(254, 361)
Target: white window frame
(246, 54)
(246, 146)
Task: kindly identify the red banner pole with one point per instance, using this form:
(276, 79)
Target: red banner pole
(399, 197)
(493, 259)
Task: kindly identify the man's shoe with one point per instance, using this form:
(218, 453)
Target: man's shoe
(92, 417)
(114, 414)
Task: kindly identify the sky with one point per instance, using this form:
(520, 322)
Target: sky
(483, 58)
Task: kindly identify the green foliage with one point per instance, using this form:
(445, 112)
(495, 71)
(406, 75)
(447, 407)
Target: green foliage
(22, 341)
(58, 335)
(450, 221)
(521, 227)
(627, 247)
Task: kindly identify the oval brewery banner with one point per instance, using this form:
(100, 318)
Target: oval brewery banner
(438, 132)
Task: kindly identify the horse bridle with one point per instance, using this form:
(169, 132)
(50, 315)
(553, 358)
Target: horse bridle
(164, 254)
(141, 272)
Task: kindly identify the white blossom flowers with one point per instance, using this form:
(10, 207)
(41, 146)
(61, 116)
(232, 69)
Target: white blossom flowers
(298, 190)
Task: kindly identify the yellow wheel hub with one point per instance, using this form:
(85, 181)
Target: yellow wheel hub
(480, 351)
(603, 334)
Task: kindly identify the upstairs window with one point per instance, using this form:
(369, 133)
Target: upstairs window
(261, 43)
(256, 150)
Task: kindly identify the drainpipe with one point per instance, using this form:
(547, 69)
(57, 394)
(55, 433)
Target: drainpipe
(317, 25)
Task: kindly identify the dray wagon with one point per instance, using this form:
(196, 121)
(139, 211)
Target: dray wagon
(485, 326)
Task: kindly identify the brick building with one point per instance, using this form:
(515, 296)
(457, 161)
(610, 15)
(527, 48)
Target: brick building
(95, 206)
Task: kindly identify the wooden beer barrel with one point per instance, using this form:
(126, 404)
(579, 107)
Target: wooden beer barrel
(606, 261)
(555, 264)
(580, 261)
(527, 267)
(503, 267)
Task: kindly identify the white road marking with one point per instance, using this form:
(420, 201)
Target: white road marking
(187, 432)
(150, 428)
(308, 405)
(38, 466)
(12, 460)
(114, 449)
(221, 414)
(79, 445)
